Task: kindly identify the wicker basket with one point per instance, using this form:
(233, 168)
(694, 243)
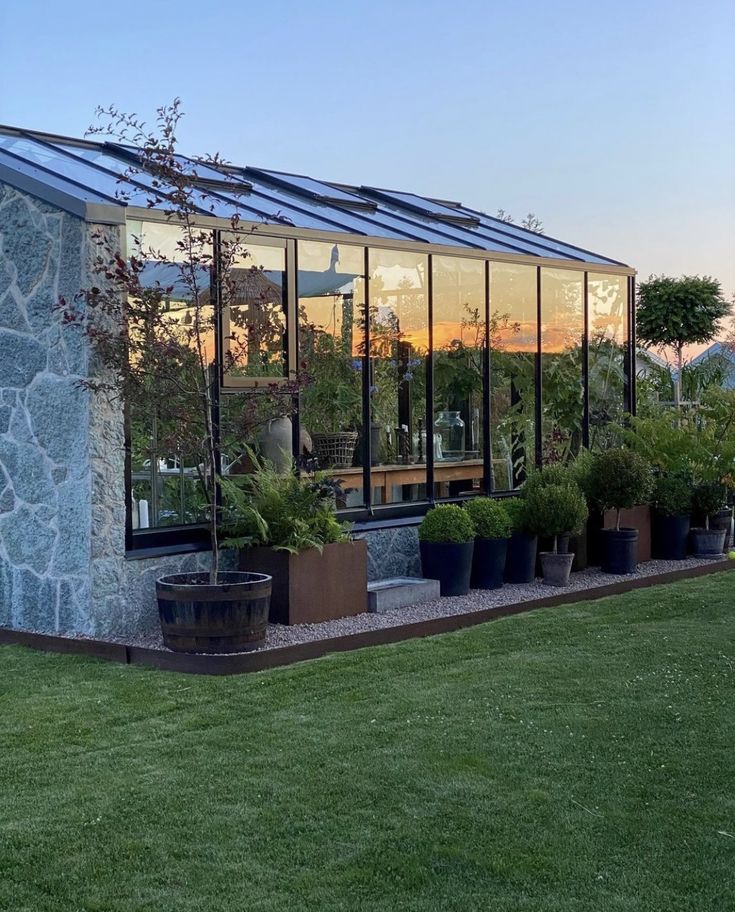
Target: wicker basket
(335, 451)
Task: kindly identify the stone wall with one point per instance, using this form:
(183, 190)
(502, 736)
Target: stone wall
(393, 552)
(62, 484)
(44, 460)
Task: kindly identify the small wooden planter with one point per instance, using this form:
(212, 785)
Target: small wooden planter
(311, 587)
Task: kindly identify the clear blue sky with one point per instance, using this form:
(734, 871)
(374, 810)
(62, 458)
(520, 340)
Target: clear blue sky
(614, 122)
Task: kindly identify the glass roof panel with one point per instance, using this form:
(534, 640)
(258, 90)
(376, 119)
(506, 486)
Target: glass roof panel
(63, 165)
(311, 186)
(99, 172)
(52, 180)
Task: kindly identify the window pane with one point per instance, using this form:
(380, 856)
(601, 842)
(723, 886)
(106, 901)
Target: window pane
(167, 417)
(331, 289)
(398, 309)
(562, 328)
(607, 301)
(459, 332)
(513, 343)
(255, 309)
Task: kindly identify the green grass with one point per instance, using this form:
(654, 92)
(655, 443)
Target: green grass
(570, 759)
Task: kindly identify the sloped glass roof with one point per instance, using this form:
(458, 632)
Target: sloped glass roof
(109, 174)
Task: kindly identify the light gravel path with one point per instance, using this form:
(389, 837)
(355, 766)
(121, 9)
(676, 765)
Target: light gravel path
(281, 635)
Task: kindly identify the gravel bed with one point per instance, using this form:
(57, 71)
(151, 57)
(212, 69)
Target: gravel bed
(281, 635)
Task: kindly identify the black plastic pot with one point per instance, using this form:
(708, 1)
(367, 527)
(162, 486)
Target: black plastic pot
(708, 542)
(556, 568)
(488, 563)
(228, 616)
(520, 559)
(619, 550)
(448, 562)
(670, 536)
(722, 520)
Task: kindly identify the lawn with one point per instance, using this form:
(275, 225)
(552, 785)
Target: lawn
(578, 758)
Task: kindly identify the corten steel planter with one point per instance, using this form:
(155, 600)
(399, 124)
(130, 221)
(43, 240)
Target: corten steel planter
(198, 616)
(619, 550)
(488, 563)
(313, 586)
(669, 536)
(556, 568)
(520, 560)
(448, 562)
(708, 542)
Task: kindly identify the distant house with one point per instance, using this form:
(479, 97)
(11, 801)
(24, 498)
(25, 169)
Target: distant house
(719, 357)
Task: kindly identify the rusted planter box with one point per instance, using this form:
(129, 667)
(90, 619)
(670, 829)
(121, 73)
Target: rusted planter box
(311, 587)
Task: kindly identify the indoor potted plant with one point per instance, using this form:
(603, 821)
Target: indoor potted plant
(446, 542)
(331, 404)
(520, 561)
(708, 499)
(620, 479)
(556, 510)
(492, 531)
(286, 525)
(672, 502)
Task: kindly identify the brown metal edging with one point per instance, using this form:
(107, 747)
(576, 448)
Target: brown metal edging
(261, 660)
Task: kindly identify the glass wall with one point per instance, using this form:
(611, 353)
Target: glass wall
(360, 380)
(399, 343)
(331, 296)
(562, 383)
(165, 412)
(459, 333)
(255, 299)
(607, 302)
(513, 346)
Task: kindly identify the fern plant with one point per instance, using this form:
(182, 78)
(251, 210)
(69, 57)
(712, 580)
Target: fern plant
(284, 511)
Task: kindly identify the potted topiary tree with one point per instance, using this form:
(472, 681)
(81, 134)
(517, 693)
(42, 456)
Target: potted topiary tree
(492, 531)
(446, 542)
(556, 510)
(520, 561)
(708, 499)
(672, 501)
(620, 479)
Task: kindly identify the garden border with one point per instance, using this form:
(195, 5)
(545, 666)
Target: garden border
(245, 662)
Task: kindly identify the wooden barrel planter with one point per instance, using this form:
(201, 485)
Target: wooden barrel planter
(228, 616)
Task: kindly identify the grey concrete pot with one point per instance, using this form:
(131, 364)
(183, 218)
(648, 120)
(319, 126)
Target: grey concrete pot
(556, 568)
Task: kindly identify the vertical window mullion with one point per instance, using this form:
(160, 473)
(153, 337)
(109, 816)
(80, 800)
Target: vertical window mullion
(538, 437)
(487, 453)
(586, 365)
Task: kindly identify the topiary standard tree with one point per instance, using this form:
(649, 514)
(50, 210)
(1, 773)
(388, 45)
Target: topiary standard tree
(620, 479)
(676, 312)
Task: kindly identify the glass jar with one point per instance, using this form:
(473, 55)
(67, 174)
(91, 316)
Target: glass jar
(450, 428)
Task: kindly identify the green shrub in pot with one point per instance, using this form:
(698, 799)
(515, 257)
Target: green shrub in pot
(620, 479)
(556, 510)
(446, 543)
(672, 502)
(708, 498)
(520, 560)
(492, 531)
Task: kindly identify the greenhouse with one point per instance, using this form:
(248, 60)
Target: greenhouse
(426, 350)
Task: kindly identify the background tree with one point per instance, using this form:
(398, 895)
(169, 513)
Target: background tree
(676, 312)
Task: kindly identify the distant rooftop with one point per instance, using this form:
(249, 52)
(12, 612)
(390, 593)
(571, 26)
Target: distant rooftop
(87, 178)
